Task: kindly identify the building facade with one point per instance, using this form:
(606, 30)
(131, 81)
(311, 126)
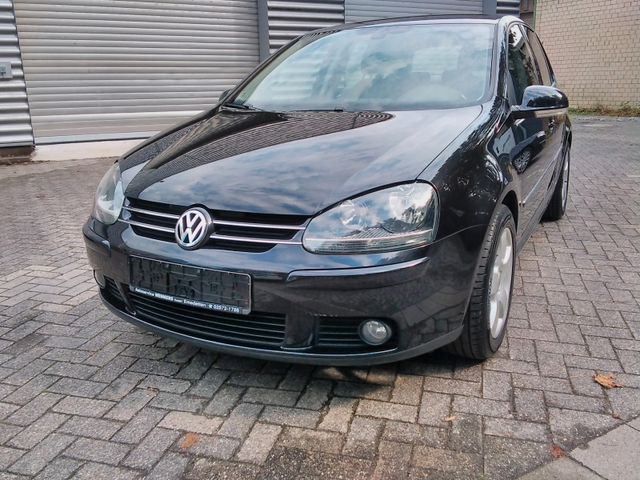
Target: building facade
(83, 70)
(593, 47)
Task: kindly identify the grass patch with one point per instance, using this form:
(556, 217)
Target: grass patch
(625, 110)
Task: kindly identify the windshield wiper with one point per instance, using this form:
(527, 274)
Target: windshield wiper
(242, 106)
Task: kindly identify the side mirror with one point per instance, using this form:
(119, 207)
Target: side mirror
(223, 95)
(540, 98)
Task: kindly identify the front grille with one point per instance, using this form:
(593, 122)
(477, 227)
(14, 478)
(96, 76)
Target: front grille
(262, 330)
(239, 231)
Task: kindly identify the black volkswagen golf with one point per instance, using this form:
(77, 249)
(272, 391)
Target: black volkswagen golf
(360, 198)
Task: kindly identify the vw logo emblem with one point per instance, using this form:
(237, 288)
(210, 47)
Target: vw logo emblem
(192, 229)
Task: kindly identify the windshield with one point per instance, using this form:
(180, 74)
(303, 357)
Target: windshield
(395, 67)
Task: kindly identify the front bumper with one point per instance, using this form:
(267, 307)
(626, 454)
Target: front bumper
(422, 293)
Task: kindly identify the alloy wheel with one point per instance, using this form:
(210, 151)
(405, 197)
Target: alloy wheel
(500, 287)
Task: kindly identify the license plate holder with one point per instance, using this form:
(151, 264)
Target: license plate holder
(218, 290)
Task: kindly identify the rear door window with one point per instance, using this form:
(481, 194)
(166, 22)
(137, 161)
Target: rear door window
(523, 69)
(541, 58)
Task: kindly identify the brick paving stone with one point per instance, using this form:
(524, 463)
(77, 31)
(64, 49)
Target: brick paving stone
(44, 452)
(240, 420)
(136, 428)
(191, 423)
(316, 395)
(516, 429)
(391, 411)
(82, 406)
(363, 437)
(466, 433)
(165, 384)
(308, 439)
(60, 469)
(173, 401)
(224, 400)
(413, 434)
(434, 409)
(482, 406)
(446, 460)
(214, 446)
(271, 396)
(172, 465)
(98, 471)
(151, 449)
(37, 431)
(393, 461)
(259, 443)
(339, 415)
(530, 405)
(126, 408)
(97, 451)
(33, 410)
(70, 371)
(293, 417)
(97, 428)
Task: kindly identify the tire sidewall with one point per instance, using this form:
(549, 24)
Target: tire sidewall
(504, 219)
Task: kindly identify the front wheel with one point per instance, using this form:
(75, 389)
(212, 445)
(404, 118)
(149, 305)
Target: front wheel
(485, 323)
(558, 203)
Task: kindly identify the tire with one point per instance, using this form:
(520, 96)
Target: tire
(478, 341)
(558, 203)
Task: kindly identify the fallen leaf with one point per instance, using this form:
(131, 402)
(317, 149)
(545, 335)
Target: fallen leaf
(607, 381)
(190, 439)
(556, 451)
(450, 418)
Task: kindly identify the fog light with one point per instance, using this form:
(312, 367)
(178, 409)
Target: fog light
(99, 277)
(375, 332)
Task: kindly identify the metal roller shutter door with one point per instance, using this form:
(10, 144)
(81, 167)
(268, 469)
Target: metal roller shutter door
(15, 126)
(362, 10)
(99, 69)
(508, 7)
(289, 19)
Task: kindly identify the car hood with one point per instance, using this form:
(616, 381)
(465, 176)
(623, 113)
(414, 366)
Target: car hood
(287, 163)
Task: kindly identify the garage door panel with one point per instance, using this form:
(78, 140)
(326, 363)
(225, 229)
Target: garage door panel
(98, 69)
(363, 10)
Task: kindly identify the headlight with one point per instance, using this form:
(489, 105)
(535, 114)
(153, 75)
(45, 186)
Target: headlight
(109, 196)
(396, 218)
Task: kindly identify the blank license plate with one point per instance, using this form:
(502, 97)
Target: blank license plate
(196, 287)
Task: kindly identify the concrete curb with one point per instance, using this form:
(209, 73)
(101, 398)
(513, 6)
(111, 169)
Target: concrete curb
(612, 456)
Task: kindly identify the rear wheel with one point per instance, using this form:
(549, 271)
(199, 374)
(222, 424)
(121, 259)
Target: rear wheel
(558, 203)
(486, 320)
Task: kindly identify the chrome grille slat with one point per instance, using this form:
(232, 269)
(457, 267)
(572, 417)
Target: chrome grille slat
(148, 225)
(151, 212)
(256, 233)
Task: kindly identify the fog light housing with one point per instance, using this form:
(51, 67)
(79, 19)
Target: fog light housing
(375, 332)
(99, 278)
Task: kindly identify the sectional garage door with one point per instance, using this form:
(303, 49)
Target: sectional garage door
(107, 69)
(362, 10)
(15, 127)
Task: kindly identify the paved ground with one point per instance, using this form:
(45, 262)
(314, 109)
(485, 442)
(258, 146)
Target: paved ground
(82, 393)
